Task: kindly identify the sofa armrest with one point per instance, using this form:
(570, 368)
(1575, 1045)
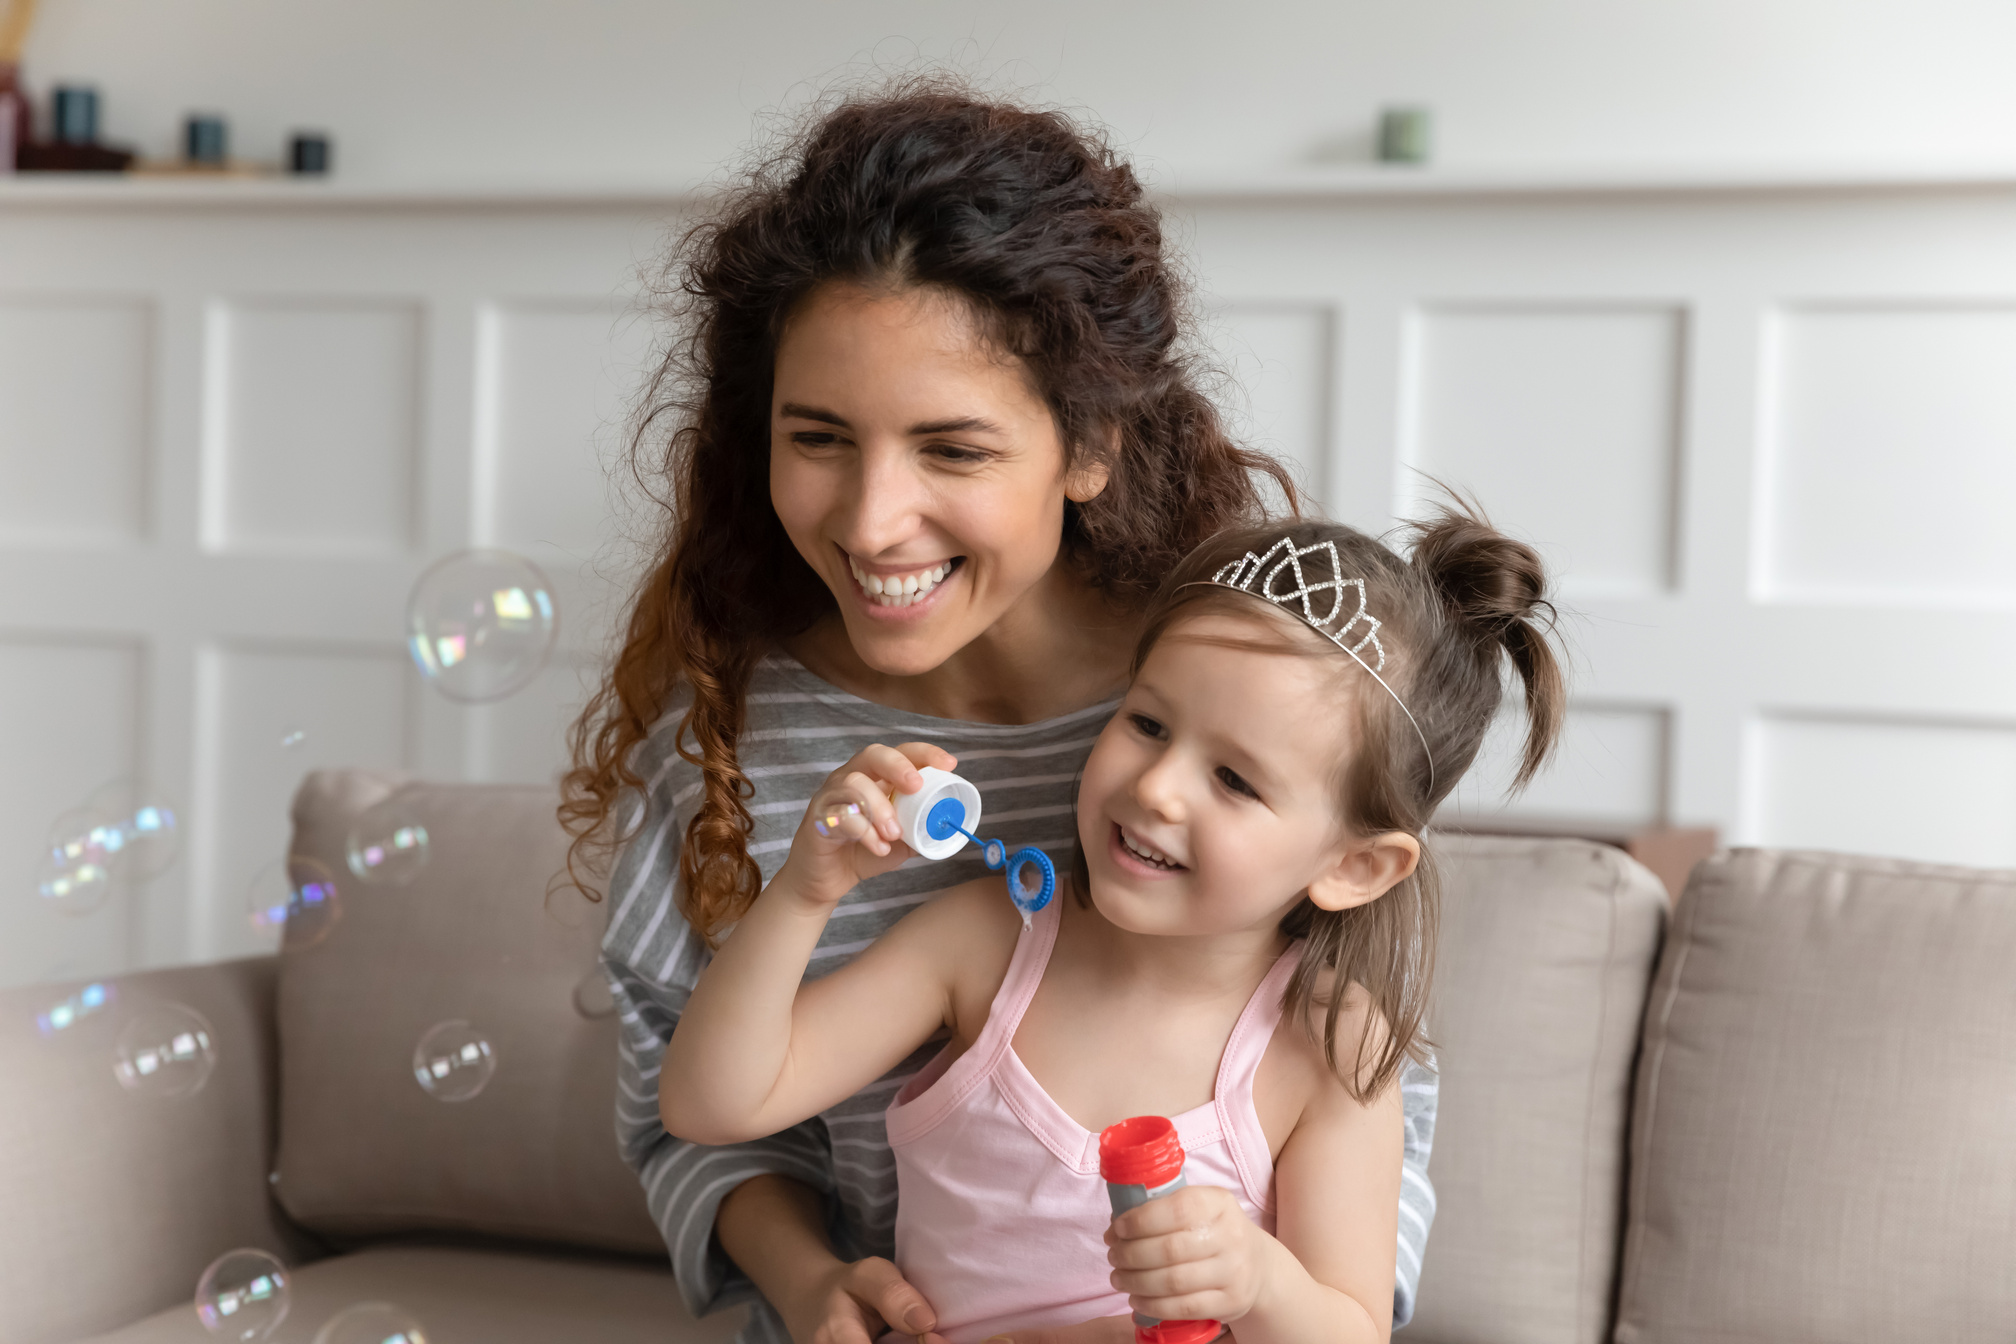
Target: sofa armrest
(115, 1201)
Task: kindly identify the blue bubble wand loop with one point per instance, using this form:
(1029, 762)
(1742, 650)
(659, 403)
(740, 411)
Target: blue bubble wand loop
(1032, 878)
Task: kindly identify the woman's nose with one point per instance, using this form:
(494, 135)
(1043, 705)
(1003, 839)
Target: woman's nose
(888, 502)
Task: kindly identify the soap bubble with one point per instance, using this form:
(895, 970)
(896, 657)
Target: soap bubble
(83, 863)
(371, 1323)
(480, 624)
(146, 818)
(453, 1062)
(166, 1050)
(243, 1295)
(295, 897)
(73, 1012)
(388, 844)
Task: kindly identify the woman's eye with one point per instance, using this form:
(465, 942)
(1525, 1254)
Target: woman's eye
(1146, 726)
(1231, 780)
(814, 439)
(952, 452)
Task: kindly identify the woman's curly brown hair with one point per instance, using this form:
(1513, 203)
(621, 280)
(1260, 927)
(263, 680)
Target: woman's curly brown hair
(1046, 235)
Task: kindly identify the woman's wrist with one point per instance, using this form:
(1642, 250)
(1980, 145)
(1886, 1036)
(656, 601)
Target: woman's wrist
(774, 1229)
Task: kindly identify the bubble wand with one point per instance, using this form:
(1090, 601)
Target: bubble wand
(941, 817)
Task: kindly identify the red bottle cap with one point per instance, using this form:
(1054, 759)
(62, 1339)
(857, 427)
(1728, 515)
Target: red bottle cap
(1178, 1332)
(1141, 1151)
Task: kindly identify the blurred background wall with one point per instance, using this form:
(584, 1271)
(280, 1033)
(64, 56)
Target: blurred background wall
(1713, 301)
(550, 91)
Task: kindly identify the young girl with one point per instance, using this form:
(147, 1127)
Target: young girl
(1244, 945)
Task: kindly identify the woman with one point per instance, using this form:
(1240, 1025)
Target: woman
(937, 439)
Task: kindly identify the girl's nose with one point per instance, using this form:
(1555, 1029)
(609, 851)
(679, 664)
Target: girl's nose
(1158, 789)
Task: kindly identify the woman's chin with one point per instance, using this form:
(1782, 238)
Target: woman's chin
(907, 651)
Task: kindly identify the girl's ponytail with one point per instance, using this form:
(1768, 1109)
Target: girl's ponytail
(1493, 589)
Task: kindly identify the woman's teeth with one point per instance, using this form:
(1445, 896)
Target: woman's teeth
(1146, 853)
(899, 590)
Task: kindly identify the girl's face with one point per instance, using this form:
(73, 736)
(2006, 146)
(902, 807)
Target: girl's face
(1209, 804)
(915, 469)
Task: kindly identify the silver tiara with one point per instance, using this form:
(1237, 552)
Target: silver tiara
(1258, 575)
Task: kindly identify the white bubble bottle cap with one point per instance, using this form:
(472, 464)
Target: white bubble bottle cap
(944, 789)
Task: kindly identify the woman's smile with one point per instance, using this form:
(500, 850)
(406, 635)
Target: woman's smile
(887, 589)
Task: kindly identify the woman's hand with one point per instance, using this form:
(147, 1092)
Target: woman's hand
(1193, 1255)
(855, 1301)
(850, 833)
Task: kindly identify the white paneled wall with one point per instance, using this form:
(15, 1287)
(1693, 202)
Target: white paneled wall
(231, 438)
(1766, 438)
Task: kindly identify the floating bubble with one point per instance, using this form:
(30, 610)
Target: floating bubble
(84, 863)
(150, 833)
(453, 1062)
(295, 897)
(243, 1295)
(388, 844)
(371, 1323)
(73, 1012)
(480, 624)
(166, 1050)
(293, 737)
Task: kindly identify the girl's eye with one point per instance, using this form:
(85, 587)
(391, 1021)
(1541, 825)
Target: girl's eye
(1231, 780)
(1146, 726)
(812, 438)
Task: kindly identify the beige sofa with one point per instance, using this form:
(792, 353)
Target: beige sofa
(1786, 1112)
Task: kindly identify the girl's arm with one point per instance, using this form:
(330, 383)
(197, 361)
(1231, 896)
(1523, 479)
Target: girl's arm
(1326, 1275)
(754, 1052)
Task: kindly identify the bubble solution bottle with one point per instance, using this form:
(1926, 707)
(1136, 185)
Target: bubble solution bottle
(1142, 1159)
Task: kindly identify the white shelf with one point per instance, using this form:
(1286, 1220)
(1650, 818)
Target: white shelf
(1310, 184)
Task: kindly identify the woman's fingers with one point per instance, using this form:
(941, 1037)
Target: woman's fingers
(881, 1287)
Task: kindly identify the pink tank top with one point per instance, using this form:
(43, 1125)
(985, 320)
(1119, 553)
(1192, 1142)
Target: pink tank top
(1000, 1210)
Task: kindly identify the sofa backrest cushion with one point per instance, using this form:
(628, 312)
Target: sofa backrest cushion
(364, 1150)
(1823, 1145)
(112, 1201)
(1546, 952)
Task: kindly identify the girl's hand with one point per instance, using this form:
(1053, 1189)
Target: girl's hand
(849, 832)
(1193, 1255)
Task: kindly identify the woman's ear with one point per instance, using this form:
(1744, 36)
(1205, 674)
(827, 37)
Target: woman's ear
(1084, 482)
(1366, 871)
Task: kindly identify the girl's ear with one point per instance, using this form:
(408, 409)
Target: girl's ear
(1084, 482)
(1366, 871)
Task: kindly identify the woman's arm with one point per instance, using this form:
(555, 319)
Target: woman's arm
(773, 1228)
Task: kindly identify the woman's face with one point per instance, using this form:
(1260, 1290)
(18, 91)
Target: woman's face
(915, 469)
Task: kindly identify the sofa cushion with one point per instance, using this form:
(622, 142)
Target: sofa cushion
(1821, 1143)
(112, 1202)
(1546, 951)
(460, 1296)
(364, 1151)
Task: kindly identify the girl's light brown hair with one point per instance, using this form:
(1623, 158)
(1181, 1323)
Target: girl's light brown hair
(1465, 601)
(1038, 226)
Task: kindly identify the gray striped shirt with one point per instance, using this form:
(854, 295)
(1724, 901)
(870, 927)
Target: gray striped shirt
(798, 730)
